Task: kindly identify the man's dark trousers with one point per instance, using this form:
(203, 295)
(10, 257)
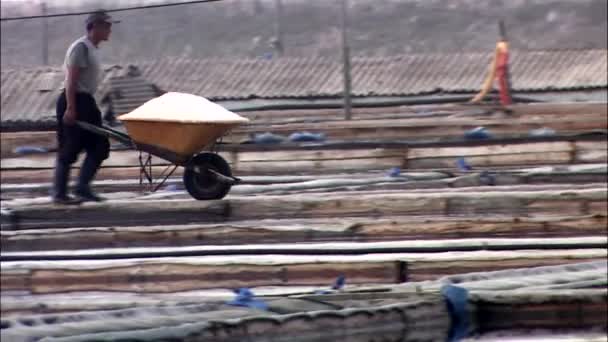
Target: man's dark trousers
(71, 140)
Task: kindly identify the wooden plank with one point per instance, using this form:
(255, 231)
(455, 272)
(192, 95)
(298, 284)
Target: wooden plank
(167, 278)
(137, 212)
(425, 271)
(10, 140)
(566, 178)
(479, 227)
(401, 131)
(597, 208)
(327, 162)
(591, 145)
(309, 161)
(560, 108)
(288, 153)
(551, 206)
(516, 159)
(303, 155)
(559, 146)
(310, 230)
(131, 174)
(107, 173)
(47, 160)
(591, 151)
(316, 166)
(591, 156)
(181, 274)
(512, 123)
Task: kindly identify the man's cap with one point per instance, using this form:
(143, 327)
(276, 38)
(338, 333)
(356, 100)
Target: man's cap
(100, 16)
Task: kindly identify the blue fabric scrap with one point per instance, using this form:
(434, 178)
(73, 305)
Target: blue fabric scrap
(244, 297)
(29, 149)
(478, 133)
(456, 299)
(267, 138)
(339, 283)
(463, 165)
(306, 137)
(394, 172)
(542, 132)
(487, 178)
(171, 187)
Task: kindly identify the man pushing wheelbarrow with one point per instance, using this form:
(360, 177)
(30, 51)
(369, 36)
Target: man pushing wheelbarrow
(77, 102)
(174, 126)
(178, 127)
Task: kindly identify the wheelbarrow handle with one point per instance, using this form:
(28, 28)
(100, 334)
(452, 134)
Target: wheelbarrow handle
(107, 132)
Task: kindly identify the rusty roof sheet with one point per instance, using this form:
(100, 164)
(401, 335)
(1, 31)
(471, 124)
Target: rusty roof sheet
(29, 95)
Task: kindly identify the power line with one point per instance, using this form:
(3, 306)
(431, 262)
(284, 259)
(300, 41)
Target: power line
(110, 10)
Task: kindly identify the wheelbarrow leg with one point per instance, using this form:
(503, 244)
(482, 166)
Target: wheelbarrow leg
(143, 171)
(166, 176)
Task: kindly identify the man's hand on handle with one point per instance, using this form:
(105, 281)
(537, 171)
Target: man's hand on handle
(69, 118)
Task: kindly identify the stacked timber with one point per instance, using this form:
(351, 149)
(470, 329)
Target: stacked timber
(392, 123)
(349, 157)
(424, 129)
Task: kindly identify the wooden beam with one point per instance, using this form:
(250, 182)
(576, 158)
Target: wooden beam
(306, 230)
(181, 274)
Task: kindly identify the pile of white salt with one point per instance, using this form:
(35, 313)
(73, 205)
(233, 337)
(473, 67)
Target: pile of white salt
(183, 108)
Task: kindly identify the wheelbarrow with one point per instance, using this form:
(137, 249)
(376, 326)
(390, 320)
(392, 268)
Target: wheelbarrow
(206, 176)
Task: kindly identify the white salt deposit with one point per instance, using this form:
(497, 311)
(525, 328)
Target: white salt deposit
(184, 108)
(540, 336)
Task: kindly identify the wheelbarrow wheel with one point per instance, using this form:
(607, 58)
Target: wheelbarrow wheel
(203, 184)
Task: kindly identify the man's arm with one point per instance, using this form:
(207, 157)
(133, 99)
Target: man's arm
(78, 59)
(71, 115)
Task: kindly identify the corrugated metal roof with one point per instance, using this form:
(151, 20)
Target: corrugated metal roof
(383, 76)
(28, 95)
(247, 78)
(128, 91)
(21, 99)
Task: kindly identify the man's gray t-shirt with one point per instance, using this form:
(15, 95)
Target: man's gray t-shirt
(83, 54)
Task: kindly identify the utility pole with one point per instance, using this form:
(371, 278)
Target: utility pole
(278, 28)
(45, 34)
(502, 30)
(346, 61)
